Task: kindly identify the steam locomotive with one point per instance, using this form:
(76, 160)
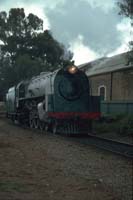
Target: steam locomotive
(60, 101)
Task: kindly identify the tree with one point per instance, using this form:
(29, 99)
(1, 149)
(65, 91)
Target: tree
(47, 48)
(6, 75)
(24, 35)
(17, 31)
(27, 49)
(126, 9)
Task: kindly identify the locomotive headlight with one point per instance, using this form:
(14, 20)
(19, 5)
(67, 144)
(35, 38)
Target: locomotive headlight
(72, 69)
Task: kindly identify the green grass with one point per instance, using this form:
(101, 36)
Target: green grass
(121, 124)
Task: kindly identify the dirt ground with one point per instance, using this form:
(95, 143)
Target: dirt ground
(39, 166)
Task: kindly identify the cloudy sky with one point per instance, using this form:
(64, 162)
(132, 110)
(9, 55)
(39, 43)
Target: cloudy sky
(89, 28)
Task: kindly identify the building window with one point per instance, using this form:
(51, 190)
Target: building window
(102, 92)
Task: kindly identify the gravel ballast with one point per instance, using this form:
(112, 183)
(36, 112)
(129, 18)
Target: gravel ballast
(39, 166)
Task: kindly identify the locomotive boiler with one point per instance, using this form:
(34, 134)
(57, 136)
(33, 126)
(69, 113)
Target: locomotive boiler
(60, 101)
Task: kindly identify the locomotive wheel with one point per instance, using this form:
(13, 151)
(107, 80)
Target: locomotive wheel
(54, 128)
(31, 123)
(36, 123)
(41, 125)
(13, 118)
(46, 127)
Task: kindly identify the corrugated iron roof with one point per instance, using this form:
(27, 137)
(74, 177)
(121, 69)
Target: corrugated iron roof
(107, 64)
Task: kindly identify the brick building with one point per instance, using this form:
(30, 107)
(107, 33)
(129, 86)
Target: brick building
(111, 78)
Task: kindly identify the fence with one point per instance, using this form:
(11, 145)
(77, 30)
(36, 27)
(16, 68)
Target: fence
(117, 107)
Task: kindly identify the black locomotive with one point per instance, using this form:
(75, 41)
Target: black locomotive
(59, 100)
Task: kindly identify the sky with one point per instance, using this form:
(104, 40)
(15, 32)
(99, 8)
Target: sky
(89, 28)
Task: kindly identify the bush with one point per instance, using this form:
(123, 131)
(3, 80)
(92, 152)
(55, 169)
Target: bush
(126, 125)
(122, 124)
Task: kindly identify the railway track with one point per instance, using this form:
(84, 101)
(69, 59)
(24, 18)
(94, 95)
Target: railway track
(116, 147)
(123, 149)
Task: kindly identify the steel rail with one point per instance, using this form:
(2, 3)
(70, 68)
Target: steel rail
(117, 147)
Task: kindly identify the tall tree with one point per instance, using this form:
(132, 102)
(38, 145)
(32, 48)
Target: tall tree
(17, 31)
(126, 9)
(24, 35)
(27, 48)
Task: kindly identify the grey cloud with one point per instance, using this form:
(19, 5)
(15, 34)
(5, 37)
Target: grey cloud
(48, 4)
(97, 27)
(68, 19)
(1, 1)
